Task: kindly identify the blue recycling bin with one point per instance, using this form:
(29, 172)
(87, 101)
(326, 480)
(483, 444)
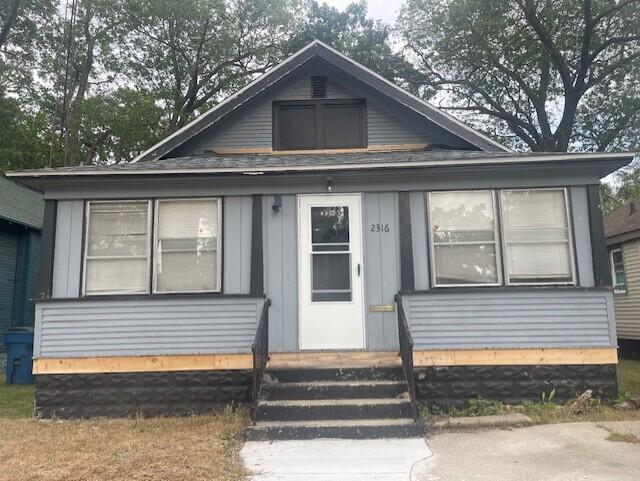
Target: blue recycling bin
(19, 344)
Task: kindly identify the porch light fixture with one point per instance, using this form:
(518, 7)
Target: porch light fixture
(277, 203)
(329, 186)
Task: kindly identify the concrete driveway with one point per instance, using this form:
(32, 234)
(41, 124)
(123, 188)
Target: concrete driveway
(557, 452)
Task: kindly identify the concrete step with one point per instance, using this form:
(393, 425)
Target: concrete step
(338, 429)
(333, 390)
(391, 373)
(344, 409)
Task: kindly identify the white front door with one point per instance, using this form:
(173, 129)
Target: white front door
(331, 307)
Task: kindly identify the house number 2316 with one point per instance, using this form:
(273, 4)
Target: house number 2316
(379, 228)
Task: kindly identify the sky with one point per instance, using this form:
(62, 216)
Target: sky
(386, 10)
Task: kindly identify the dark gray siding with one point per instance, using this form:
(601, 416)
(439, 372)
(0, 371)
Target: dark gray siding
(511, 319)
(252, 126)
(8, 253)
(152, 326)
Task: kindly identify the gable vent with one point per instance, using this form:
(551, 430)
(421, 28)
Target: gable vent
(318, 87)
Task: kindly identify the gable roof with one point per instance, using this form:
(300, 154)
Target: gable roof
(20, 205)
(623, 223)
(318, 49)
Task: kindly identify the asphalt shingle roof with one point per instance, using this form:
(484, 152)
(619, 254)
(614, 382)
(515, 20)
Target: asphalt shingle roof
(624, 219)
(21, 205)
(215, 161)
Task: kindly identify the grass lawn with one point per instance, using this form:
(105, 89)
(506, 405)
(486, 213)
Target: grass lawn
(159, 449)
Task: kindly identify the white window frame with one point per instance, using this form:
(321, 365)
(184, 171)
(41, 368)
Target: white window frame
(570, 241)
(496, 240)
(86, 247)
(156, 241)
(613, 271)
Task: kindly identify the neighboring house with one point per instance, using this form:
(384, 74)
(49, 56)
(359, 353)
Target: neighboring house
(20, 228)
(622, 230)
(329, 191)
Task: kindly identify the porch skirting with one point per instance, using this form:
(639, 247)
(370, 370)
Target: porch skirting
(454, 386)
(68, 396)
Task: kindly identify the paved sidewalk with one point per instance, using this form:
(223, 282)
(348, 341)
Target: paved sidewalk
(555, 452)
(334, 459)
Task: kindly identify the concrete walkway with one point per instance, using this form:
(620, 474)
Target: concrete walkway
(334, 459)
(556, 452)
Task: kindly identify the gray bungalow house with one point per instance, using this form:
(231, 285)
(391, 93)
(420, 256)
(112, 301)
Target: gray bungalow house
(364, 249)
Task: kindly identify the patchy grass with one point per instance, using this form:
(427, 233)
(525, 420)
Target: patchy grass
(197, 448)
(629, 378)
(15, 401)
(617, 437)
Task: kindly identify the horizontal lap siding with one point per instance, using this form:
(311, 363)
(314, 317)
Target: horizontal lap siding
(510, 320)
(627, 306)
(146, 327)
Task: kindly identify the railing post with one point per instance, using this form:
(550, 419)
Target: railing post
(406, 354)
(260, 350)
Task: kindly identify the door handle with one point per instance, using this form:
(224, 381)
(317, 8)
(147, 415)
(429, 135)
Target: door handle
(358, 269)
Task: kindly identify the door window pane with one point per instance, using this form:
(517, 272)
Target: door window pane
(117, 245)
(536, 236)
(331, 277)
(329, 225)
(187, 249)
(463, 237)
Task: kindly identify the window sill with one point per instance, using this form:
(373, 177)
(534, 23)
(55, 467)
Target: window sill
(137, 297)
(472, 289)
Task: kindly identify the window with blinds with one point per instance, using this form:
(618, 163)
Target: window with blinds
(187, 253)
(537, 237)
(464, 245)
(117, 248)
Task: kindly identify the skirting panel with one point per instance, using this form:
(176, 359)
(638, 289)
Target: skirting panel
(147, 394)
(454, 386)
(629, 348)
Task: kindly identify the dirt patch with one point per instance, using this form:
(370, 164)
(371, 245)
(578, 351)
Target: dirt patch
(187, 449)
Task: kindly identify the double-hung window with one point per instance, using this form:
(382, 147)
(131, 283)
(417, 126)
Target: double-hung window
(186, 246)
(187, 253)
(464, 244)
(465, 230)
(117, 247)
(617, 271)
(537, 237)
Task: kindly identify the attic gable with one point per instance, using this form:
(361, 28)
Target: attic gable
(389, 108)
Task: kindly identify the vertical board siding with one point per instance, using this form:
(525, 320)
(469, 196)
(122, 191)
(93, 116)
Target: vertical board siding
(381, 268)
(8, 256)
(280, 241)
(68, 248)
(236, 236)
(419, 240)
(516, 319)
(627, 306)
(253, 126)
(146, 327)
(582, 236)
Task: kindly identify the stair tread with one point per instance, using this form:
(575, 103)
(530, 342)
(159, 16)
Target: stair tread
(335, 423)
(335, 402)
(336, 383)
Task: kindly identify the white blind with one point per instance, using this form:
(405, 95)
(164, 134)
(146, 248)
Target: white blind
(187, 246)
(187, 219)
(117, 247)
(536, 232)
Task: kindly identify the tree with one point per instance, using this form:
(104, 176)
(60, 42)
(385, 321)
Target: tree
(351, 32)
(535, 70)
(192, 52)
